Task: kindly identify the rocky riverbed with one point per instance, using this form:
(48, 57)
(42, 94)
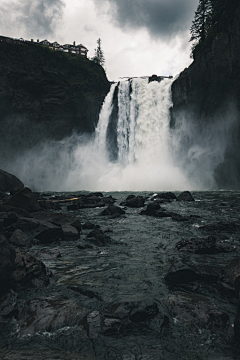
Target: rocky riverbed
(120, 275)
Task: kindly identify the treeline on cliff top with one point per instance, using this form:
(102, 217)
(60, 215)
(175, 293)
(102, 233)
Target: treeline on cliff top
(211, 18)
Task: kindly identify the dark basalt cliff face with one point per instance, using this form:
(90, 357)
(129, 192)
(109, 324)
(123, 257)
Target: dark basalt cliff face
(208, 92)
(46, 94)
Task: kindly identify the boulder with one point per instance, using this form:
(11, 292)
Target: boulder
(98, 237)
(165, 196)
(8, 304)
(7, 262)
(112, 210)
(69, 233)
(133, 201)
(88, 226)
(41, 230)
(58, 219)
(24, 199)
(125, 318)
(28, 272)
(208, 245)
(154, 209)
(47, 314)
(185, 196)
(19, 239)
(181, 273)
(9, 182)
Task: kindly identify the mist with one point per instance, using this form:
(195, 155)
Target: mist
(150, 155)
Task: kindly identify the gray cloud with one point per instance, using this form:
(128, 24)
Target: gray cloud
(33, 17)
(162, 18)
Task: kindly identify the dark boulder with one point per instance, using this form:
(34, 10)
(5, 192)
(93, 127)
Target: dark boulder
(133, 201)
(8, 304)
(166, 196)
(41, 230)
(154, 209)
(131, 317)
(24, 199)
(28, 272)
(58, 219)
(88, 226)
(19, 239)
(8, 182)
(98, 237)
(208, 245)
(7, 262)
(185, 196)
(47, 314)
(69, 233)
(196, 314)
(112, 210)
(181, 273)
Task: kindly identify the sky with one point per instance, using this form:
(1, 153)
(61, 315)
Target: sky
(139, 37)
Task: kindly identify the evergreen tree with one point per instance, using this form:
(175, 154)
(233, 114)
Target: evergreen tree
(99, 55)
(200, 23)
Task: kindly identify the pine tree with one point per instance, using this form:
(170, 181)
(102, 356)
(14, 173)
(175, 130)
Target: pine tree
(99, 55)
(200, 23)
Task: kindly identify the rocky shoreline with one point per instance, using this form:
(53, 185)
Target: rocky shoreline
(35, 229)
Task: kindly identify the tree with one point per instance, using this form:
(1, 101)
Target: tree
(200, 23)
(99, 55)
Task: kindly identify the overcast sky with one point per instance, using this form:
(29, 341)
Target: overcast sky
(139, 37)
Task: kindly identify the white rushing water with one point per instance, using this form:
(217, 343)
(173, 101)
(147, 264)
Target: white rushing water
(143, 143)
(133, 148)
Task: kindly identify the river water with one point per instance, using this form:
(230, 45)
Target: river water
(132, 269)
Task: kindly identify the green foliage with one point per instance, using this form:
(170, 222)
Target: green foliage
(99, 55)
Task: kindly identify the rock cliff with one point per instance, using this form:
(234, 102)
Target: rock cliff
(47, 94)
(207, 96)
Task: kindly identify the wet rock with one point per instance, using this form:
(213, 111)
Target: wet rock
(237, 325)
(8, 304)
(47, 314)
(231, 272)
(154, 209)
(19, 239)
(165, 196)
(41, 230)
(126, 318)
(208, 245)
(69, 233)
(28, 271)
(98, 237)
(225, 289)
(181, 273)
(58, 219)
(151, 209)
(197, 313)
(7, 262)
(9, 182)
(97, 194)
(3, 195)
(185, 196)
(133, 201)
(219, 227)
(112, 210)
(24, 199)
(91, 201)
(88, 226)
(8, 218)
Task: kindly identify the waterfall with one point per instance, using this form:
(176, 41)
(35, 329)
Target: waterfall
(143, 141)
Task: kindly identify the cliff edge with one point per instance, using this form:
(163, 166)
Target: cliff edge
(47, 94)
(206, 96)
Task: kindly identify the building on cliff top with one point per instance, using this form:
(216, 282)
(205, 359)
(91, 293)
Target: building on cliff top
(68, 48)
